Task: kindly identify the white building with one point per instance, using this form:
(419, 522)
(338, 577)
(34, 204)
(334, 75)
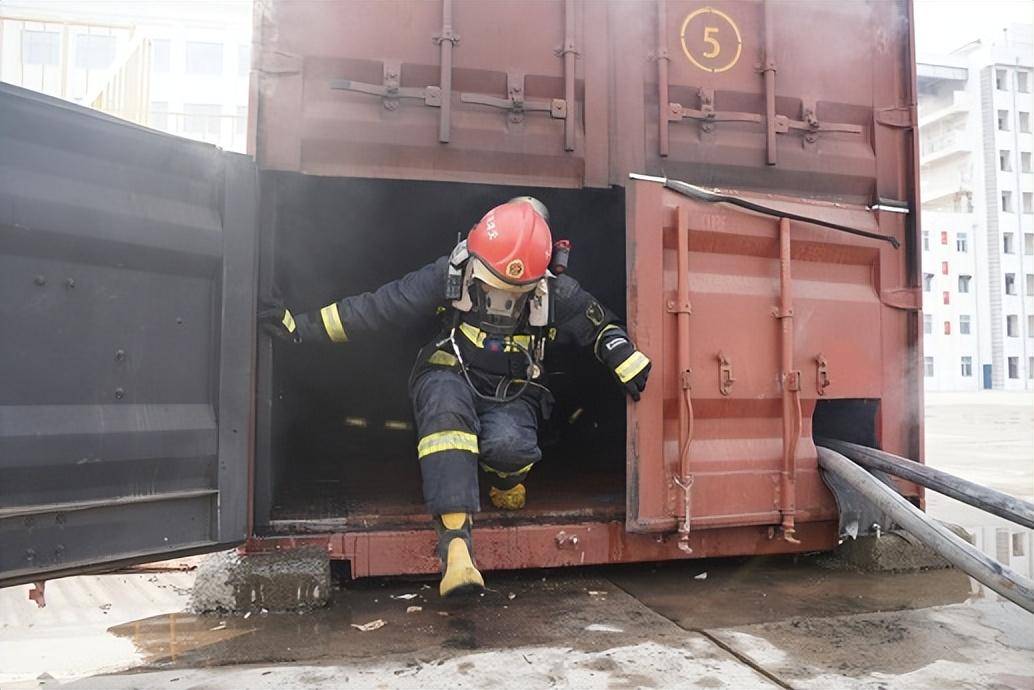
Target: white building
(181, 67)
(977, 190)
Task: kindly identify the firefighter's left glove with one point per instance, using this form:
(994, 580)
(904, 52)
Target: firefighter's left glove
(630, 366)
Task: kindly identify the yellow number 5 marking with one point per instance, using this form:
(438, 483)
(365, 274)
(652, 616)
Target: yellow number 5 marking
(724, 28)
(712, 41)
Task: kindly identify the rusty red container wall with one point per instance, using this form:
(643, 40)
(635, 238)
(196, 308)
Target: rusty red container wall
(798, 98)
(851, 342)
(356, 89)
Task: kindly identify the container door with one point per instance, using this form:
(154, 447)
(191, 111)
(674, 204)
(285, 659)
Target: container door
(127, 269)
(723, 432)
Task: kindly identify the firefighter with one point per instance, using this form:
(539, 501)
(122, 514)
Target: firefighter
(479, 387)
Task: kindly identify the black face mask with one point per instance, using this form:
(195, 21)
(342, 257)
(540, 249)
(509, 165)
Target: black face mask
(499, 312)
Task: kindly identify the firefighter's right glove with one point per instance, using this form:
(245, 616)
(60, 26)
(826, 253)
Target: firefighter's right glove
(630, 366)
(278, 321)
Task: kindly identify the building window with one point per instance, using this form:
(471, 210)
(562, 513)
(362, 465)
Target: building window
(1030, 367)
(928, 366)
(204, 58)
(161, 55)
(202, 119)
(944, 237)
(1024, 122)
(927, 324)
(927, 282)
(1012, 326)
(926, 240)
(1001, 79)
(964, 324)
(1005, 161)
(964, 283)
(41, 47)
(946, 296)
(1014, 367)
(1030, 325)
(967, 367)
(1003, 120)
(1028, 202)
(158, 117)
(94, 51)
(962, 242)
(947, 328)
(1010, 283)
(243, 60)
(1006, 201)
(1007, 247)
(944, 267)
(1023, 82)
(1025, 162)
(1030, 285)
(1028, 243)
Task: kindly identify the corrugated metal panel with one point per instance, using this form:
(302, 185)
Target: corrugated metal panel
(127, 339)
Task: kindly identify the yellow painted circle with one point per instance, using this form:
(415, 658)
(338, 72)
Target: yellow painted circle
(716, 37)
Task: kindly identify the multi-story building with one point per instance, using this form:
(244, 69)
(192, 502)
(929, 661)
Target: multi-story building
(977, 190)
(181, 67)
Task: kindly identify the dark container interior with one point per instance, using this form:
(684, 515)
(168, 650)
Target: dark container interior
(340, 452)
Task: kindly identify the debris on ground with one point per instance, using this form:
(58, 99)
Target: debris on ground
(511, 596)
(602, 627)
(597, 593)
(414, 609)
(404, 597)
(222, 625)
(701, 576)
(372, 625)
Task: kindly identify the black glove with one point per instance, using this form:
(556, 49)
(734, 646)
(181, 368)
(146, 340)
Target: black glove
(276, 320)
(630, 366)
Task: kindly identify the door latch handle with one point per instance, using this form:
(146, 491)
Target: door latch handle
(725, 377)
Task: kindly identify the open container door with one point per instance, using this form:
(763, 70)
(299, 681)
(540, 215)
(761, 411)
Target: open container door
(127, 265)
(752, 320)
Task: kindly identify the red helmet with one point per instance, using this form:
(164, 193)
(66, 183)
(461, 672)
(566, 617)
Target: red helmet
(513, 242)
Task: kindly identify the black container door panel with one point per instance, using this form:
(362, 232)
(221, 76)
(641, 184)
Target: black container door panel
(127, 269)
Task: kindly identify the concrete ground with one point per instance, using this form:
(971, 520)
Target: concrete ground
(732, 623)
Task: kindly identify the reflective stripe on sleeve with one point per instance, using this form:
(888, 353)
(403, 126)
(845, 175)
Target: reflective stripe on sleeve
(504, 475)
(447, 440)
(628, 369)
(288, 321)
(332, 323)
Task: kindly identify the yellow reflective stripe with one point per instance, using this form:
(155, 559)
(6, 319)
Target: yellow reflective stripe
(504, 475)
(288, 321)
(628, 369)
(477, 336)
(442, 359)
(447, 440)
(332, 323)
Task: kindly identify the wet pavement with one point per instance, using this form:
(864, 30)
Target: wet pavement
(786, 622)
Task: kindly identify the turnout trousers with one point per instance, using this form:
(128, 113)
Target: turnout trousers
(457, 432)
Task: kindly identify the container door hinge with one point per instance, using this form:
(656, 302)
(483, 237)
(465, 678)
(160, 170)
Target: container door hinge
(516, 103)
(391, 91)
(707, 115)
(822, 379)
(903, 117)
(909, 299)
(725, 377)
(811, 126)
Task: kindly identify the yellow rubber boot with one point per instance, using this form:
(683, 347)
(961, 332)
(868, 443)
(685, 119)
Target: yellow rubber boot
(459, 575)
(508, 499)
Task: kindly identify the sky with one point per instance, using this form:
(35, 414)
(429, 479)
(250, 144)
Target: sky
(943, 25)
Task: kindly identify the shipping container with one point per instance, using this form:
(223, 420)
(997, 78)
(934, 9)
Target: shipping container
(776, 291)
